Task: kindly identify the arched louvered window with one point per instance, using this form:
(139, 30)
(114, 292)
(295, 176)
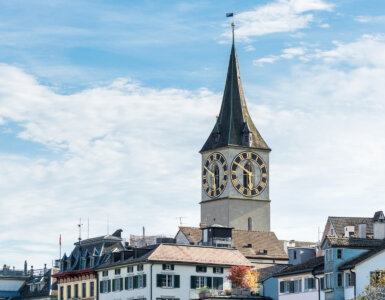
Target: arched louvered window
(216, 176)
(246, 177)
(249, 224)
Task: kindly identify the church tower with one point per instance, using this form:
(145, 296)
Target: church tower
(235, 164)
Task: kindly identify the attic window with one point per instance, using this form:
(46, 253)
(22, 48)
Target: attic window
(216, 138)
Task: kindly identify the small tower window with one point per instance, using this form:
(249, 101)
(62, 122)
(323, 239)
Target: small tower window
(216, 176)
(246, 177)
(216, 138)
(249, 224)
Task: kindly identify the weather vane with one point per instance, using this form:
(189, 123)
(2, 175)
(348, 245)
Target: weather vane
(231, 15)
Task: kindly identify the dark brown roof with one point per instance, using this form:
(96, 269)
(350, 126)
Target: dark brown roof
(353, 242)
(353, 262)
(266, 273)
(259, 241)
(234, 118)
(315, 263)
(339, 224)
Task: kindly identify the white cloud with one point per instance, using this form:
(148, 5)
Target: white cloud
(277, 16)
(370, 19)
(287, 53)
(249, 48)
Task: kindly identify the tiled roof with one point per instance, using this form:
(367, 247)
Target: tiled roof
(234, 119)
(305, 267)
(259, 241)
(339, 224)
(266, 273)
(186, 254)
(198, 254)
(353, 262)
(353, 242)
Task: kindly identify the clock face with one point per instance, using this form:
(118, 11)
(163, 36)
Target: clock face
(249, 174)
(214, 175)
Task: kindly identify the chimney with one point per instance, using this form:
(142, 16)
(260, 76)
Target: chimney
(45, 268)
(202, 225)
(348, 231)
(379, 230)
(25, 268)
(362, 231)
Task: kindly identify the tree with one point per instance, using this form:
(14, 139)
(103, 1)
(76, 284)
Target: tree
(243, 277)
(376, 288)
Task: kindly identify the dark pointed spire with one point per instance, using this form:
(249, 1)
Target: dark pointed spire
(234, 116)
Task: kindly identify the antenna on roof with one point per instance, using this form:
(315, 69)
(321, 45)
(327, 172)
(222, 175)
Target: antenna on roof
(88, 227)
(80, 229)
(180, 220)
(108, 226)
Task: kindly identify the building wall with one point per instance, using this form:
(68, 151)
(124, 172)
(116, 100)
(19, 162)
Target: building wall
(376, 262)
(310, 294)
(270, 288)
(303, 254)
(183, 292)
(79, 281)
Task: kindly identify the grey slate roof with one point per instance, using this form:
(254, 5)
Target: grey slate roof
(353, 242)
(313, 264)
(339, 224)
(234, 118)
(266, 273)
(353, 262)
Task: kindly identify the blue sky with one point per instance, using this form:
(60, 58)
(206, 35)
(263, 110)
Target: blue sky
(105, 105)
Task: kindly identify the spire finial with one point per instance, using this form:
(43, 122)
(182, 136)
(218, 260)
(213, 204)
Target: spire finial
(232, 14)
(232, 26)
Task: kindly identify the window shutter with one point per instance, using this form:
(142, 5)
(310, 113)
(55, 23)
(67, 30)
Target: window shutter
(214, 270)
(176, 281)
(282, 287)
(101, 287)
(322, 283)
(172, 267)
(197, 269)
(209, 282)
(159, 280)
(222, 270)
(109, 285)
(135, 285)
(164, 267)
(121, 284)
(204, 269)
(215, 283)
(291, 287)
(193, 282)
(126, 283)
(144, 280)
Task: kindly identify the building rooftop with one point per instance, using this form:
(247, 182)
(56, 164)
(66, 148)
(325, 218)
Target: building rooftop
(313, 264)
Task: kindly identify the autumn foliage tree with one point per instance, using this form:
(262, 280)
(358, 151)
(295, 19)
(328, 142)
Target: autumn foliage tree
(376, 288)
(243, 277)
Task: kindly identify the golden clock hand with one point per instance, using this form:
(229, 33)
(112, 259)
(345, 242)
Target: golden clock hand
(244, 169)
(250, 183)
(211, 173)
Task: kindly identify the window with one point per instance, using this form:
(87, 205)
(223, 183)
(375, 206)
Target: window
(167, 267)
(247, 175)
(201, 269)
(349, 279)
(139, 268)
(329, 255)
(377, 275)
(309, 284)
(200, 281)
(61, 297)
(105, 273)
(130, 269)
(167, 298)
(129, 283)
(167, 281)
(249, 224)
(295, 254)
(328, 281)
(332, 231)
(84, 290)
(297, 285)
(69, 292)
(139, 281)
(339, 253)
(92, 289)
(340, 279)
(76, 290)
(105, 286)
(117, 271)
(218, 270)
(117, 284)
(218, 283)
(290, 286)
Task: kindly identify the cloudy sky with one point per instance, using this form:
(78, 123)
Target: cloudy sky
(105, 105)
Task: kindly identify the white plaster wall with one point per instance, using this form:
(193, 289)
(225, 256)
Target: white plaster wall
(349, 292)
(376, 262)
(10, 284)
(184, 271)
(309, 295)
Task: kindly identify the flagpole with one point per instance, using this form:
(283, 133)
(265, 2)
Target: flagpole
(60, 246)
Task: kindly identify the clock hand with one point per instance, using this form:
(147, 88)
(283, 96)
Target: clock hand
(211, 173)
(250, 183)
(247, 171)
(213, 176)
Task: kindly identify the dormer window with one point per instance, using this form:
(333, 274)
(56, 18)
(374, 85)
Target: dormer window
(216, 138)
(247, 138)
